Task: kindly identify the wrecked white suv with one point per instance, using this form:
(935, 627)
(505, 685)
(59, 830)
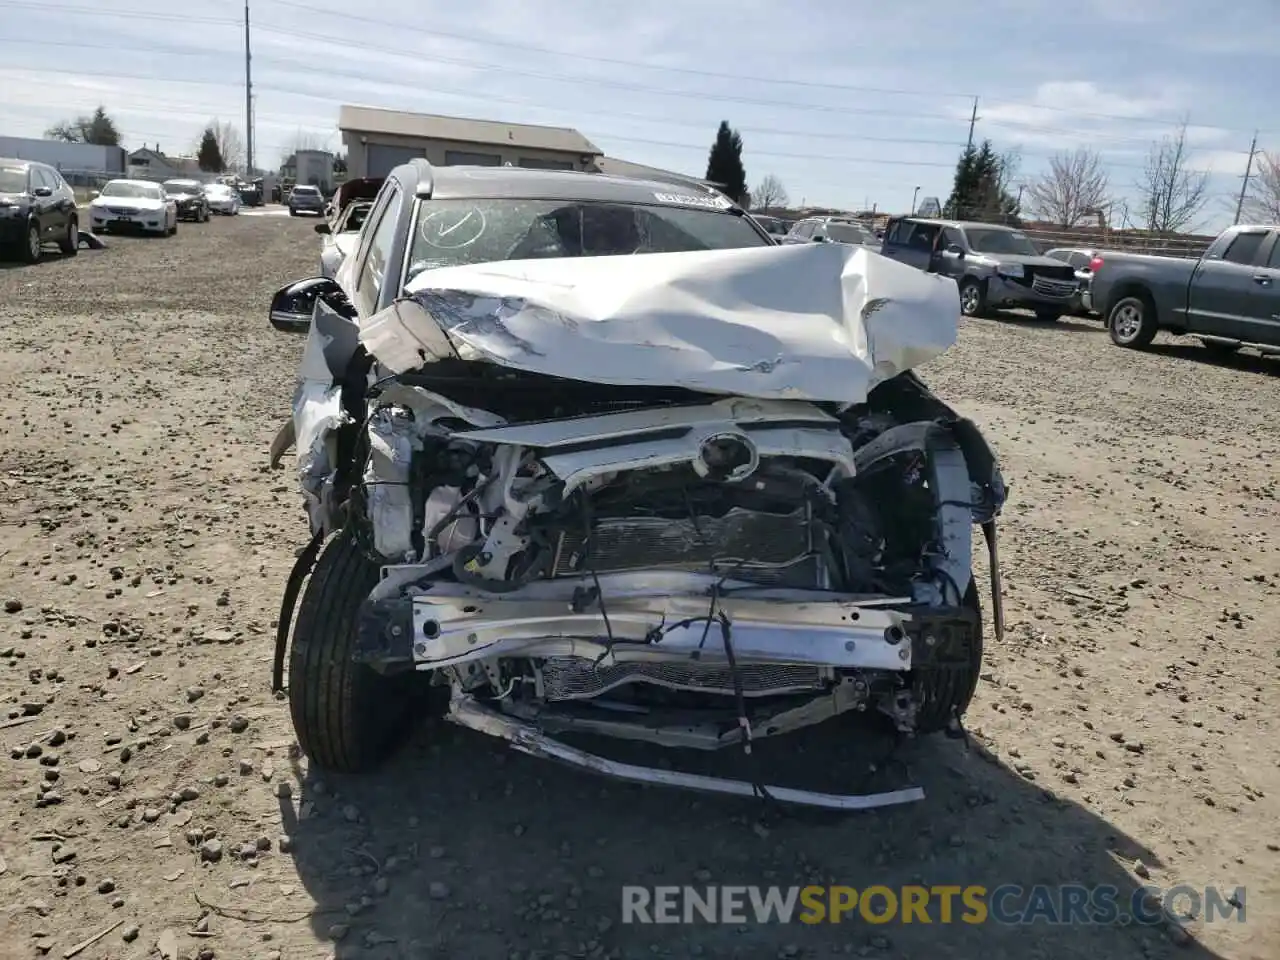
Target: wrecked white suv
(584, 454)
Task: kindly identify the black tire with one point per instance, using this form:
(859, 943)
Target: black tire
(347, 717)
(944, 693)
(70, 242)
(292, 212)
(973, 297)
(1132, 322)
(29, 248)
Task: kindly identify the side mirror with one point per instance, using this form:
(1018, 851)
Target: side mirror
(293, 306)
(42, 192)
(819, 239)
(322, 228)
(95, 194)
(956, 250)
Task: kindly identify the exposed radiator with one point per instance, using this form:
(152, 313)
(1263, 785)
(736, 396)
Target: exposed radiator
(754, 546)
(576, 678)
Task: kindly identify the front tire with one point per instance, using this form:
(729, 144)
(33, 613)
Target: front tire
(973, 297)
(347, 717)
(1132, 322)
(31, 249)
(70, 242)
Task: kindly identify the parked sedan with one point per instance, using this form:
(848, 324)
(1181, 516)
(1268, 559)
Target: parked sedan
(306, 199)
(134, 204)
(36, 207)
(190, 198)
(222, 198)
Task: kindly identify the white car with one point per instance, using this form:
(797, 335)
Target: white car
(222, 198)
(134, 203)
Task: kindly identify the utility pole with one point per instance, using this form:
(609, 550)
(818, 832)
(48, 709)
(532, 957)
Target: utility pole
(973, 118)
(248, 97)
(1248, 170)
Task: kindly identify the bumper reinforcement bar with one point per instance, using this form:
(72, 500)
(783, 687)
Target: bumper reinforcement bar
(467, 712)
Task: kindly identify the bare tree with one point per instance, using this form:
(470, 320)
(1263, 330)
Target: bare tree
(1171, 194)
(1262, 202)
(229, 143)
(302, 140)
(1074, 187)
(769, 193)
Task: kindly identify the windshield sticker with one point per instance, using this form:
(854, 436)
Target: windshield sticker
(452, 229)
(710, 201)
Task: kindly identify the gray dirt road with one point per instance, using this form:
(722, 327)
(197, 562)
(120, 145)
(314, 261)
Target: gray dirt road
(1129, 715)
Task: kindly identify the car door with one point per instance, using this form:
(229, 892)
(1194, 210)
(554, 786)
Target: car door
(1229, 291)
(1266, 316)
(45, 201)
(950, 257)
(373, 265)
(908, 242)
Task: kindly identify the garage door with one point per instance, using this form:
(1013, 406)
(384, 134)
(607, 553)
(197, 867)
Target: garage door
(383, 158)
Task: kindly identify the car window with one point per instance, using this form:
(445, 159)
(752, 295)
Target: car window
(803, 229)
(847, 233)
(900, 233)
(988, 240)
(455, 232)
(1244, 248)
(1079, 259)
(1273, 262)
(373, 270)
(950, 237)
(42, 179)
(13, 179)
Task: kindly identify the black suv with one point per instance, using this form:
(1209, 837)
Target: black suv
(36, 207)
(189, 195)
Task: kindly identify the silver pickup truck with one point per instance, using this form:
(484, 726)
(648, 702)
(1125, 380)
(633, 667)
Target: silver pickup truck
(1230, 297)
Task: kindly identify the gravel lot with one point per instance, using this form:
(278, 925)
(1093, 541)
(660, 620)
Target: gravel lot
(150, 783)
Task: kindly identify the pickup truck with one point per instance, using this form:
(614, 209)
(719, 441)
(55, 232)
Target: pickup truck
(1228, 298)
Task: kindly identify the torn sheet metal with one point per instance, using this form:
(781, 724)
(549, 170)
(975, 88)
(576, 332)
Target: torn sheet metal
(804, 322)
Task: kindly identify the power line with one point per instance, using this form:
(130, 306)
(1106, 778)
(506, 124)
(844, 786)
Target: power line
(401, 28)
(622, 138)
(307, 66)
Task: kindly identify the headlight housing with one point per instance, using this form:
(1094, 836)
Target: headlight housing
(1014, 271)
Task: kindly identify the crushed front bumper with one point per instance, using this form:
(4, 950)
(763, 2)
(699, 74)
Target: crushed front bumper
(660, 618)
(527, 738)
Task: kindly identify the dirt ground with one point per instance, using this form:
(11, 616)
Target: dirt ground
(1125, 731)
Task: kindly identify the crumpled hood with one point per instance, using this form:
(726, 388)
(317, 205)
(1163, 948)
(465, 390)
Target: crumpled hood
(823, 322)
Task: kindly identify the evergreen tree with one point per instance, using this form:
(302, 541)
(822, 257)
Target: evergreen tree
(979, 191)
(724, 163)
(209, 154)
(96, 127)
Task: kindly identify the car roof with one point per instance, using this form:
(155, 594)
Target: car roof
(962, 224)
(16, 162)
(136, 183)
(523, 183)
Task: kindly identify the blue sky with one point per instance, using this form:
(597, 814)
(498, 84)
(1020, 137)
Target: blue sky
(846, 102)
